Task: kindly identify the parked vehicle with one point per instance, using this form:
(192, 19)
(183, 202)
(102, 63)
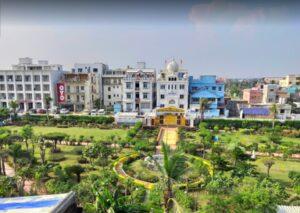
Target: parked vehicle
(41, 111)
(64, 111)
(93, 112)
(32, 111)
(101, 112)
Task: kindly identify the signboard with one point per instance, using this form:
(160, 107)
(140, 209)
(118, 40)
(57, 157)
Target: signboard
(60, 92)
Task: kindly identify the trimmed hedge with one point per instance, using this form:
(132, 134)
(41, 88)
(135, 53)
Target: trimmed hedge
(68, 119)
(255, 124)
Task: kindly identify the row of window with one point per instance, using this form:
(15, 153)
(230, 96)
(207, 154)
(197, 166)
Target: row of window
(76, 89)
(172, 86)
(79, 98)
(28, 87)
(162, 96)
(129, 95)
(129, 106)
(180, 106)
(214, 88)
(129, 85)
(20, 96)
(27, 78)
(115, 95)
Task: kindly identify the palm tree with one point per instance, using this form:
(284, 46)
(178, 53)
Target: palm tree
(4, 136)
(27, 134)
(174, 166)
(48, 101)
(15, 151)
(273, 110)
(204, 105)
(14, 105)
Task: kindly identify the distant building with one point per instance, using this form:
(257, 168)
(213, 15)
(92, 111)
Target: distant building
(139, 89)
(270, 93)
(290, 80)
(272, 80)
(253, 95)
(81, 90)
(207, 87)
(172, 87)
(255, 112)
(29, 84)
(112, 87)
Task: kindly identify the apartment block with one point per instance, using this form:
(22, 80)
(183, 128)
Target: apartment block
(139, 89)
(253, 95)
(29, 84)
(290, 80)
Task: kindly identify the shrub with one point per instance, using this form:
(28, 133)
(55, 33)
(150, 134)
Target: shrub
(57, 157)
(82, 160)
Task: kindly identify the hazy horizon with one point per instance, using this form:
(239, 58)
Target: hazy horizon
(232, 39)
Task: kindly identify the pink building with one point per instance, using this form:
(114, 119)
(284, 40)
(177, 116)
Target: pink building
(253, 95)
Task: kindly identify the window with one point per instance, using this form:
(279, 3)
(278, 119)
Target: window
(1, 78)
(162, 86)
(68, 97)
(10, 87)
(11, 95)
(281, 111)
(220, 88)
(28, 96)
(128, 95)
(181, 96)
(145, 106)
(27, 87)
(18, 78)
(9, 78)
(145, 95)
(128, 85)
(162, 96)
(162, 105)
(181, 106)
(45, 78)
(181, 86)
(37, 87)
(19, 87)
(171, 102)
(36, 78)
(213, 88)
(145, 85)
(108, 89)
(128, 106)
(46, 87)
(82, 88)
(27, 78)
(3, 95)
(109, 96)
(79, 69)
(2, 87)
(77, 98)
(95, 69)
(68, 89)
(37, 96)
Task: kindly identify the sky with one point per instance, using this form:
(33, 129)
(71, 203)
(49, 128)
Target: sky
(235, 39)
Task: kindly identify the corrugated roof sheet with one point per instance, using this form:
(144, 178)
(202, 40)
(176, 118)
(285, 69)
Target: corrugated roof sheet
(256, 111)
(288, 209)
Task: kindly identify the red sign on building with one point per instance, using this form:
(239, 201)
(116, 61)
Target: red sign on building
(61, 92)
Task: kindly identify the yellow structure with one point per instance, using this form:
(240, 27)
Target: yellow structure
(169, 116)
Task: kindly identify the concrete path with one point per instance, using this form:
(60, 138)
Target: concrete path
(169, 136)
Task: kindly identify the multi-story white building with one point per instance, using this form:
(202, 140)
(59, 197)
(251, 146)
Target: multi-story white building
(112, 87)
(139, 89)
(29, 84)
(172, 86)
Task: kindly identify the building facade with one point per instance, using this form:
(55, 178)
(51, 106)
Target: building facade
(29, 84)
(81, 91)
(207, 87)
(290, 80)
(112, 88)
(270, 93)
(139, 89)
(253, 95)
(172, 87)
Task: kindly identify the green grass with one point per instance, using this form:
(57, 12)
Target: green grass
(98, 134)
(280, 169)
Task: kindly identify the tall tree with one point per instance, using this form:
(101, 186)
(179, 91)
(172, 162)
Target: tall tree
(27, 134)
(273, 110)
(14, 105)
(204, 106)
(48, 101)
(172, 169)
(15, 151)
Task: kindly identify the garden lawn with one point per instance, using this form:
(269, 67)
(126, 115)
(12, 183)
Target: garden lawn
(280, 169)
(98, 134)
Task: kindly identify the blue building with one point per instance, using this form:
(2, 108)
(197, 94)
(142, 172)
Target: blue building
(207, 87)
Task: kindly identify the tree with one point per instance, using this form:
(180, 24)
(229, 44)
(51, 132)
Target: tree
(204, 106)
(97, 103)
(55, 137)
(14, 105)
(174, 166)
(26, 133)
(268, 162)
(4, 113)
(75, 169)
(48, 101)
(273, 110)
(4, 137)
(23, 174)
(42, 146)
(15, 151)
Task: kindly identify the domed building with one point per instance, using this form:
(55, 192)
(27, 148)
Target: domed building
(172, 86)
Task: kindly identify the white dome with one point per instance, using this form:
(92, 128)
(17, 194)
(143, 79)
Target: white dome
(172, 67)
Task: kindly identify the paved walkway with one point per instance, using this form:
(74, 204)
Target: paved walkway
(167, 135)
